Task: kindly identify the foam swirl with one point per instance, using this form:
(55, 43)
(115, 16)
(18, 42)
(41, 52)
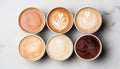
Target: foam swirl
(59, 47)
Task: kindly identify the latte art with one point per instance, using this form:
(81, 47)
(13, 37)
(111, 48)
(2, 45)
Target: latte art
(59, 47)
(59, 20)
(88, 20)
(87, 13)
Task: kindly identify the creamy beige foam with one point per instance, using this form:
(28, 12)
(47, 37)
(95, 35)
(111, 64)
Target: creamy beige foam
(32, 47)
(88, 20)
(32, 20)
(59, 47)
(60, 20)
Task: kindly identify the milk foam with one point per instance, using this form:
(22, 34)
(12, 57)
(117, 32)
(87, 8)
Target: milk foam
(88, 20)
(59, 47)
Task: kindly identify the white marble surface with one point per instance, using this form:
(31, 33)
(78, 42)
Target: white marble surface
(11, 34)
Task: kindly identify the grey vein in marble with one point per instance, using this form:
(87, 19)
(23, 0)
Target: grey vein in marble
(112, 10)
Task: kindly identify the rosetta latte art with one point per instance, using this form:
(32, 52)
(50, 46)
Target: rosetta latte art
(60, 21)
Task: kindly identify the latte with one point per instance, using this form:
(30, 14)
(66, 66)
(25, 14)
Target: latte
(32, 20)
(59, 47)
(32, 47)
(88, 20)
(60, 20)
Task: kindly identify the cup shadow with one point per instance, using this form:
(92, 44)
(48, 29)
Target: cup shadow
(43, 33)
(100, 34)
(43, 59)
(71, 33)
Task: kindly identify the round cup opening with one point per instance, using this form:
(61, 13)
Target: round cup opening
(95, 56)
(57, 49)
(32, 47)
(31, 20)
(57, 25)
(79, 23)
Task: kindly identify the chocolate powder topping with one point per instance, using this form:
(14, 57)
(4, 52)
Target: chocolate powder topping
(87, 47)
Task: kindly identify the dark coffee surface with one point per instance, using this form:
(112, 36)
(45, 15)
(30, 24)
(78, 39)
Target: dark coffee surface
(87, 47)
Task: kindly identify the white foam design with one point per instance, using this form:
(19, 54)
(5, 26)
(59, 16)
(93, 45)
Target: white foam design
(60, 48)
(59, 23)
(88, 20)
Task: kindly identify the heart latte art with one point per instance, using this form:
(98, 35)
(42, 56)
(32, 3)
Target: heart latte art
(59, 20)
(88, 20)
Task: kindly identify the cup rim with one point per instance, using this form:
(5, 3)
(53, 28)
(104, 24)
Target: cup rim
(54, 37)
(40, 56)
(70, 15)
(100, 50)
(77, 14)
(40, 29)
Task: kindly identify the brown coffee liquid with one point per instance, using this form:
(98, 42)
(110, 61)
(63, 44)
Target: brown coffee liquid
(87, 47)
